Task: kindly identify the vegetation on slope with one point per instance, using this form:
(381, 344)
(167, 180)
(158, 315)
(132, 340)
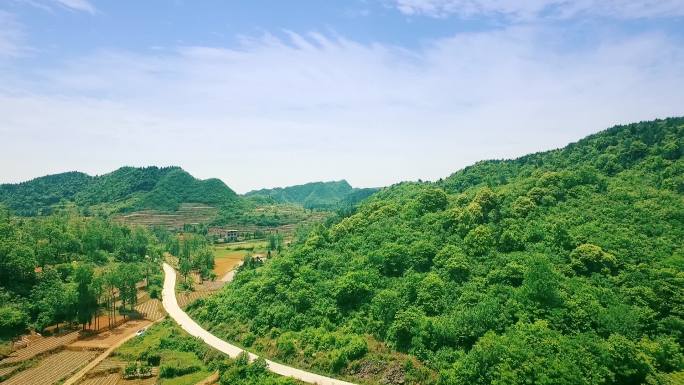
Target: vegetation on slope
(157, 192)
(126, 189)
(316, 195)
(562, 267)
(37, 196)
(178, 186)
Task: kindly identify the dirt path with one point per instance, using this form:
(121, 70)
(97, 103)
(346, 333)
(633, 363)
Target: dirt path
(229, 275)
(189, 325)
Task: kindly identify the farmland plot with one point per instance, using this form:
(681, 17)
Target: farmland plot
(107, 366)
(186, 298)
(8, 370)
(151, 310)
(146, 381)
(53, 369)
(39, 346)
(108, 379)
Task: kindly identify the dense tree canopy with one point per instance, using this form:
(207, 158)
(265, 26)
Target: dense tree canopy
(126, 189)
(563, 267)
(62, 267)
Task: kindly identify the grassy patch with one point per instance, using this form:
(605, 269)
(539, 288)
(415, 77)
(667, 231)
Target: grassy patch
(135, 347)
(188, 379)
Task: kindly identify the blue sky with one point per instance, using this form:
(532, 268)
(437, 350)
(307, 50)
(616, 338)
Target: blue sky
(266, 93)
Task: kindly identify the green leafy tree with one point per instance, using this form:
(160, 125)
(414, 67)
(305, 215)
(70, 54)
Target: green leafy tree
(588, 258)
(87, 299)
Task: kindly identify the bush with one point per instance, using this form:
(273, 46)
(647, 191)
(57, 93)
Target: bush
(170, 371)
(286, 346)
(137, 370)
(154, 292)
(131, 370)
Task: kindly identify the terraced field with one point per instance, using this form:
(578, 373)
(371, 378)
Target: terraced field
(53, 369)
(116, 379)
(202, 290)
(186, 298)
(109, 379)
(151, 310)
(146, 381)
(39, 346)
(108, 365)
(187, 213)
(8, 370)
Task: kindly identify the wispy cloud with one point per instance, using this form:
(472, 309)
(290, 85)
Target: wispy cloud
(51, 5)
(330, 107)
(531, 9)
(78, 5)
(11, 36)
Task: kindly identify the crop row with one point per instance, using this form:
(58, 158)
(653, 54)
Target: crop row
(53, 368)
(39, 346)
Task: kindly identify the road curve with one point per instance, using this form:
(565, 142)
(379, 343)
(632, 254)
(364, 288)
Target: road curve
(193, 328)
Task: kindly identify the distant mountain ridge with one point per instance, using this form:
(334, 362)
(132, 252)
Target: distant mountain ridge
(123, 190)
(314, 195)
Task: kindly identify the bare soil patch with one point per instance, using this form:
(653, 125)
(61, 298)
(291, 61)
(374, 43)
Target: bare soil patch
(110, 337)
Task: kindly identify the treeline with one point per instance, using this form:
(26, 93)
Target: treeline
(64, 268)
(194, 254)
(563, 267)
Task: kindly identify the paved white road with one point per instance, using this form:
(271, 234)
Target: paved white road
(193, 328)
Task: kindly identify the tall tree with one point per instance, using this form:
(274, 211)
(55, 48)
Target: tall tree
(87, 300)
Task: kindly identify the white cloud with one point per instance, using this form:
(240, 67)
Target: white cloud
(11, 36)
(530, 9)
(279, 111)
(78, 5)
(50, 5)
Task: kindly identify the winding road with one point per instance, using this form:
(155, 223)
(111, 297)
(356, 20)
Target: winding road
(193, 328)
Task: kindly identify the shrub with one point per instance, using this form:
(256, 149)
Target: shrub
(286, 346)
(170, 371)
(131, 370)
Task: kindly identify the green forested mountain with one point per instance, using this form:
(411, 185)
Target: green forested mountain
(316, 195)
(562, 267)
(39, 195)
(126, 189)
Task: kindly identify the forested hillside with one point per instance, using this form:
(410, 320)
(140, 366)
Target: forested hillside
(563, 267)
(126, 189)
(37, 196)
(316, 195)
